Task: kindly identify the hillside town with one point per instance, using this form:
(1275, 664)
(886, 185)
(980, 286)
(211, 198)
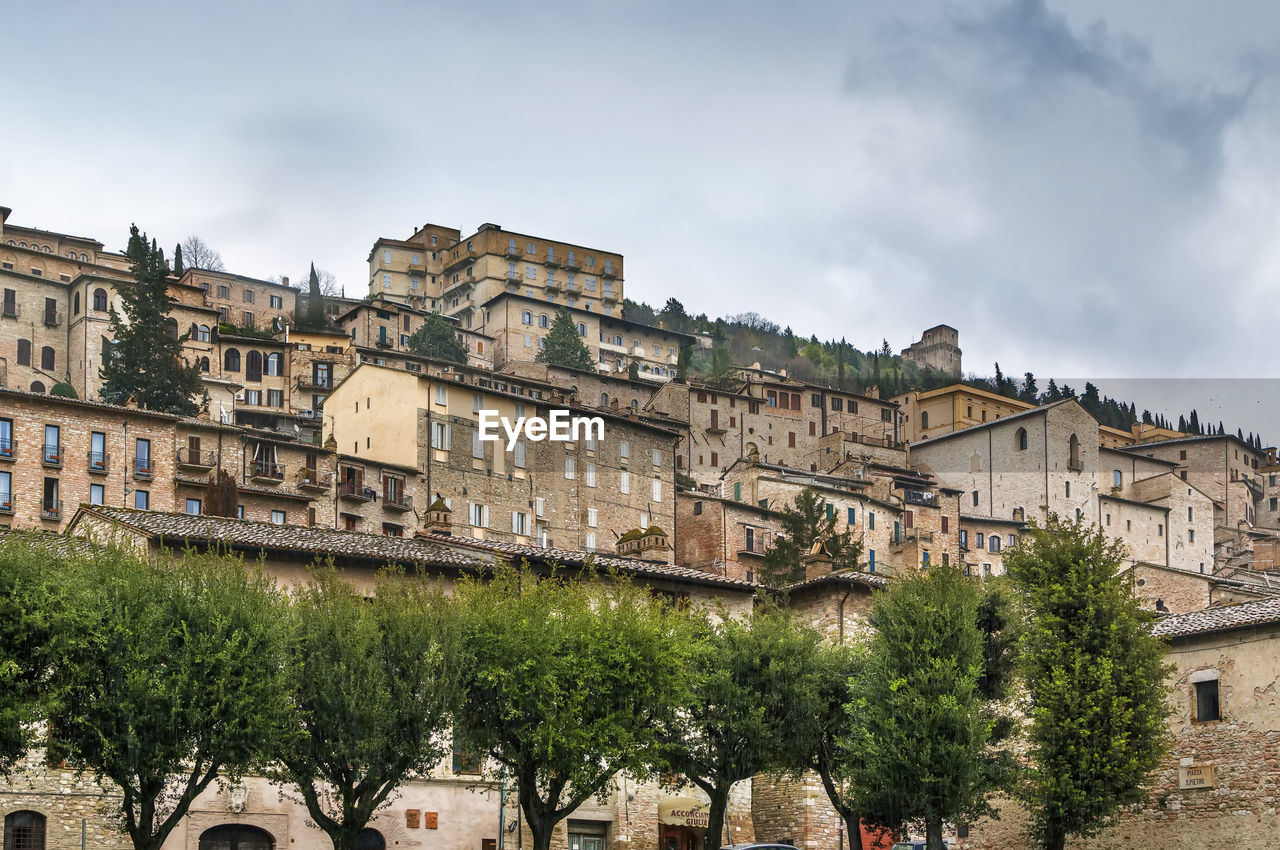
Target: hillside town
(342, 438)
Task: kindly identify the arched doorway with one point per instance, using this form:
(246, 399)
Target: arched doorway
(24, 831)
(370, 839)
(236, 836)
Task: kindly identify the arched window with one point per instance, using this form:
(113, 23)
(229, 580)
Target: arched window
(71, 254)
(24, 352)
(37, 387)
(1074, 447)
(253, 366)
(194, 333)
(275, 364)
(202, 333)
(543, 321)
(526, 317)
(204, 364)
(231, 360)
(994, 542)
(604, 399)
(171, 325)
(370, 839)
(47, 361)
(75, 303)
(236, 837)
(1020, 440)
(924, 420)
(582, 329)
(24, 831)
(99, 299)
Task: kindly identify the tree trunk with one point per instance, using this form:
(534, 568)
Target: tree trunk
(1054, 839)
(933, 835)
(714, 838)
(344, 839)
(853, 829)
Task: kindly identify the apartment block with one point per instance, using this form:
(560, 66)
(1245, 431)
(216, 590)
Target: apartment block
(723, 536)
(583, 494)
(380, 329)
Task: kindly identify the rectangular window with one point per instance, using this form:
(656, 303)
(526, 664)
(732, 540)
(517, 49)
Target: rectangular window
(97, 494)
(52, 444)
(442, 394)
(440, 436)
(275, 398)
(1207, 707)
(591, 543)
(871, 520)
(518, 455)
(945, 524)
(852, 516)
(737, 491)
(540, 506)
(980, 539)
(975, 498)
(657, 457)
(477, 445)
(624, 482)
(141, 499)
(871, 560)
(6, 438)
(570, 468)
(224, 292)
(277, 302)
(519, 523)
(478, 515)
(193, 507)
(624, 449)
(593, 517)
(964, 538)
(657, 491)
(6, 492)
(591, 475)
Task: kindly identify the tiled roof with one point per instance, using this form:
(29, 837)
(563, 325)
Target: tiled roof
(573, 557)
(115, 409)
(175, 528)
(59, 544)
(868, 580)
(1220, 619)
(281, 492)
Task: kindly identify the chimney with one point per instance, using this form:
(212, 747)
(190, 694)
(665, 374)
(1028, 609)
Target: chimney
(438, 521)
(284, 281)
(637, 542)
(817, 563)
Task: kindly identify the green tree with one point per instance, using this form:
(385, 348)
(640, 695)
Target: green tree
(564, 692)
(723, 375)
(146, 362)
(438, 338)
(633, 370)
(169, 674)
(830, 747)
(1095, 677)
(806, 521)
(1029, 392)
(564, 345)
(30, 588)
(178, 268)
(754, 689)
(372, 691)
(918, 721)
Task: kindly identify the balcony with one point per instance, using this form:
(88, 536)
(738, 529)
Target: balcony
(609, 296)
(313, 384)
(573, 263)
(383, 343)
(464, 256)
(312, 479)
(397, 502)
(553, 285)
(143, 469)
(417, 268)
(6, 503)
(51, 509)
(514, 252)
(8, 449)
(10, 311)
(266, 472)
(53, 319)
(638, 351)
(355, 491)
(616, 349)
(552, 261)
(51, 456)
(196, 460)
(99, 462)
(919, 497)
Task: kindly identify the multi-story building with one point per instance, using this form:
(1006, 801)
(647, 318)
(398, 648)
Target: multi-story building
(933, 412)
(436, 269)
(57, 453)
(244, 302)
(780, 421)
(580, 494)
(381, 327)
(1035, 463)
(903, 520)
(723, 536)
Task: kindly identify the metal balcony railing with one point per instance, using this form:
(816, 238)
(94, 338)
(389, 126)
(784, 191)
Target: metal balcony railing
(99, 462)
(51, 455)
(143, 468)
(188, 457)
(51, 509)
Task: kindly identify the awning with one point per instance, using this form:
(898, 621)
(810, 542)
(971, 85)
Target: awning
(684, 811)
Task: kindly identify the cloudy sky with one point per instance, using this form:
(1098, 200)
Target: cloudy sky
(1084, 189)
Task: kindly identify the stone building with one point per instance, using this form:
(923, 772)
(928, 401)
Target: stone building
(1045, 460)
(1216, 787)
(582, 494)
(723, 536)
(939, 349)
(903, 521)
(778, 421)
(382, 326)
(952, 408)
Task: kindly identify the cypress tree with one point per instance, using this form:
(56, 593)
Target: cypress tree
(315, 302)
(146, 362)
(178, 268)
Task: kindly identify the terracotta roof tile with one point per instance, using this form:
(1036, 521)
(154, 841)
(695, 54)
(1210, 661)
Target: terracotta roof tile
(1220, 619)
